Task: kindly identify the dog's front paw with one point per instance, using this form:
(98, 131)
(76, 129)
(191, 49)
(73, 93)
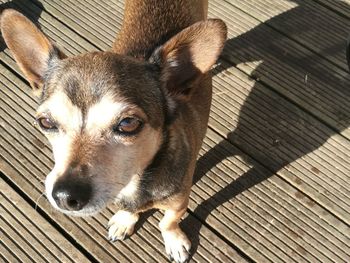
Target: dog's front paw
(121, 225)
(177, 245)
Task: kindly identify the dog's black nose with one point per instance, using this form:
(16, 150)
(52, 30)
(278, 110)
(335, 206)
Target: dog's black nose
(72, 194)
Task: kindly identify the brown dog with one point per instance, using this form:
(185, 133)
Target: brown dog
(125, 125)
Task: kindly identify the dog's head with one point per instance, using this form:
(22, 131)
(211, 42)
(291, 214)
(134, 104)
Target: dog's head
(103, 113)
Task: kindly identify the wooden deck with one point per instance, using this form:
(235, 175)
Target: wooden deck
(273, 180)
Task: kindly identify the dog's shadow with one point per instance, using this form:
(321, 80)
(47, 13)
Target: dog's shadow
(284, 132)
(33, 12)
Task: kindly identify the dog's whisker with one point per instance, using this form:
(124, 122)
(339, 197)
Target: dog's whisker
(37, 201)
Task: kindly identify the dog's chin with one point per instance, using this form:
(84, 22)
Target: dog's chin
(89, 210)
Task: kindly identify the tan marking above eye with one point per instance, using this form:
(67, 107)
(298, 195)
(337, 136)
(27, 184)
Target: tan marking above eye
(61, 111)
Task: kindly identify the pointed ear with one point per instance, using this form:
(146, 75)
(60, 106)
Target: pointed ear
(189, 54)
(31, 49)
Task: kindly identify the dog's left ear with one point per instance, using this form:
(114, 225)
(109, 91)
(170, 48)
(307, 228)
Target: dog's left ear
(189, 54)
(32, 50)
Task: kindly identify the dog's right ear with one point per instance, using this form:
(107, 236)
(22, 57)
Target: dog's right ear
(32, 50)
(188, 55)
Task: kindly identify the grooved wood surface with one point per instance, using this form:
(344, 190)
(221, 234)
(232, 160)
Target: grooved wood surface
(271, 183)
(27, 236)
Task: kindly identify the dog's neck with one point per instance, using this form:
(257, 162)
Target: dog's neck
(148, 24)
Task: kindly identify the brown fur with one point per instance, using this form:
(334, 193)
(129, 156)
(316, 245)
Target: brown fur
(148, 24)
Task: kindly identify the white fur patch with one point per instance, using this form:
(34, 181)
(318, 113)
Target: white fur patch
(121, 225)
(103, 113)
(177, 245)
(49, 182)
(69, 119)
(61, 148)
(63, 111)
(130, 189)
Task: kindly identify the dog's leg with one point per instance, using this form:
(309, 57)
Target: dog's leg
(121, 225)
(177, 245)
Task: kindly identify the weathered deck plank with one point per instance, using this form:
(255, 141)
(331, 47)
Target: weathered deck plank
(305, 23)
(107, 15)
(284, 138)
(341, 7)
(265, 205)
(29, 237)
(292, 70)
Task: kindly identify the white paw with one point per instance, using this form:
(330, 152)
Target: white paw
(121, 225)
(177, 245)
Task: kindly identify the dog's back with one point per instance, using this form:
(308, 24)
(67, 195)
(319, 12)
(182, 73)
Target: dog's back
(148, 24)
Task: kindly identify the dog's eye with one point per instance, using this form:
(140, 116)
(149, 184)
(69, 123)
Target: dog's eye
(47, 124)
(128, 126)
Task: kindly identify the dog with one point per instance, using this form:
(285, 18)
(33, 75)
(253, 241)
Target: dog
(125, 125)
